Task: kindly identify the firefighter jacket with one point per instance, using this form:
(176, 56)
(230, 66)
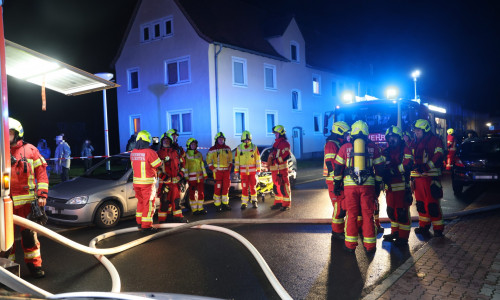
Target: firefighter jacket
(344, 165)
(428, 155)
(28, 172)
(331, 149)
(182, 155)
(144, 164)
(195, 167)
(220, 157)
(398, 164)
(171, 167)
(247, 159)
(278, 159)
(451, 145)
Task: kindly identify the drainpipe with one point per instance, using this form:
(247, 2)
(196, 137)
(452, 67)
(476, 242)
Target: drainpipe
(216, 53)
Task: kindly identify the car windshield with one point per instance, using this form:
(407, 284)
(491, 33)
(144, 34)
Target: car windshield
(490, 148)
(112, 168)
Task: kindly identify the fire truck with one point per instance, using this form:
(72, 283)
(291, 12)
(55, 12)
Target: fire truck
(380, 114)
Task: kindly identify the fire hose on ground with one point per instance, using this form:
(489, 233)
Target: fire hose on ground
(22, 286)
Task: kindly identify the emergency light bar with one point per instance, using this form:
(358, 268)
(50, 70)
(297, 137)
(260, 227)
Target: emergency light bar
(29, 65)
(437, 108)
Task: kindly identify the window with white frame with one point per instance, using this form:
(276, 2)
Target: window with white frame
(271, 121)
(239, 66)
(294, 52)
(178, 71)
(135, 124)
(133, 80)
(269, 77)
(157, 29)
(181, 120)
(316, 81)
(240, 120)
(317, 124)
(296, 100)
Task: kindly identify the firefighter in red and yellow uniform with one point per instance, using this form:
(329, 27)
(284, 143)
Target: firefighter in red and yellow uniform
(451, 146)
(144, 162)
(196, 175)
(29, 183)
(247, 164)
(278, 165)
(220, 161)
(427, 151)
(396, 177)
(359, 164)
(332, 147)
(171, 173)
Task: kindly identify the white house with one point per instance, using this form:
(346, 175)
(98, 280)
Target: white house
(221, 65)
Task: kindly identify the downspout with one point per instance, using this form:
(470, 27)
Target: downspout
(216, 53)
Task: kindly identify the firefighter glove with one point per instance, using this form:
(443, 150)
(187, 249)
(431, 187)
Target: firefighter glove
(436, 189)
(408, 197)
(337, 188)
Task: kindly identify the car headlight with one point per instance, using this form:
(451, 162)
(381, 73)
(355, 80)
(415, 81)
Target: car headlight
(78, 200)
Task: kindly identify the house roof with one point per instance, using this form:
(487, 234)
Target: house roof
(235, 24)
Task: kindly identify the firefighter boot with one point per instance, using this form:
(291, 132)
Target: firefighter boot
(276, 206)
(180, 220)
(218, 208)
(243, 206)
(391, 237)
(350, 250)
(438, 233)
(338, 235)
(254, 204)
(422, 230)
(285, 208)
(226, 207)
(149, 230)
(36, 272)
(400, 242)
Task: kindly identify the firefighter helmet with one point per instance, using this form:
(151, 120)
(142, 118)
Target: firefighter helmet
(340, 128)
(173, 131)
(394, 130)
(220, 134)
(144, 135)
(359, 127)
(16, 125)
(189, 142)
(167, 135)
(422, 124)
(246, 135)
(279, 129)
(450, 131)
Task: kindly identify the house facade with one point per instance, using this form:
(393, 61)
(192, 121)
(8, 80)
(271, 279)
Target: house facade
(207, 66)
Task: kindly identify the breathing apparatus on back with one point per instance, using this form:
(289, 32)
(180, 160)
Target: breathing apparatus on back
(358, 169)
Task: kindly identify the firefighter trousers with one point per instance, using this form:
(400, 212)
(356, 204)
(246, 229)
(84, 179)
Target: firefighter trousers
(360, 200)
(196, 186)
(29, 240)
(145, 204)
(399, 213)
(450, 159)
(428, 207)
(248, 184)
(338, 210)
(170, 202)
(281, 188)
(221, 188)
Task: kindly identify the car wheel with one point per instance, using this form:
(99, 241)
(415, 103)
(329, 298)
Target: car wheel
(107, 215)
(457, 187)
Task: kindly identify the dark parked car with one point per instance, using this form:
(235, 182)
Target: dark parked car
(478, 160)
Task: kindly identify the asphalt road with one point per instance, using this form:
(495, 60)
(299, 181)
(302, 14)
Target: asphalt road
(304, 258)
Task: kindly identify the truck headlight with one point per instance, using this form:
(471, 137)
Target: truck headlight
(78, 200)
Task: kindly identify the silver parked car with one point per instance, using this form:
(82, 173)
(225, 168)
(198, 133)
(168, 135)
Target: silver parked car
(102, 195)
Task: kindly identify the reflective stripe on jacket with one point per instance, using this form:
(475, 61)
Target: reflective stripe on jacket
(144, 164)
(28, 174)
(278, 159)
(220, 157)
(428, 153)
(195, 167)
(331, 149)
(247, 159)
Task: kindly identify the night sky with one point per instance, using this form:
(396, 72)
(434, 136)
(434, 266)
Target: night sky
(453, 43)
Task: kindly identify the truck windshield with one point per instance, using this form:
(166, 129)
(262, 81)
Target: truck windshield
(378, 117)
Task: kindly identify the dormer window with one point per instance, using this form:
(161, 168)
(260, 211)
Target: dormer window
(294, 52)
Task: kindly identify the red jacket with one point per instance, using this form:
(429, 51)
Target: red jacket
(278, 159)
(28, 174)
(428, 155)
(144, 163)
(398, 161)
(450, 143)
(331, 149)
(172, 165)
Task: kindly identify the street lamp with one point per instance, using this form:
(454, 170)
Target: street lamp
(415, 74)
(108, 77)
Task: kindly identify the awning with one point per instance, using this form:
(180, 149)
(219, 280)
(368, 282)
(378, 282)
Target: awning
(37, 68)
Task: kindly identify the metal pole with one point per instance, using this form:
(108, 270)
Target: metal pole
(106, 135)
(415, 81)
